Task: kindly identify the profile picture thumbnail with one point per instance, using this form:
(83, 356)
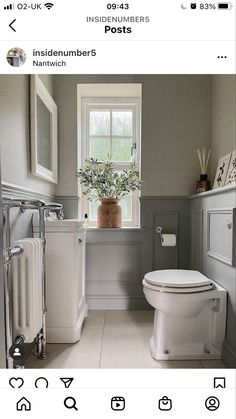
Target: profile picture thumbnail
(16, 57)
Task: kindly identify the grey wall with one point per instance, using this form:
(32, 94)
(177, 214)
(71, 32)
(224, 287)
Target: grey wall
(179, 114)
(15, 134)
(223, 138)
(176, 119)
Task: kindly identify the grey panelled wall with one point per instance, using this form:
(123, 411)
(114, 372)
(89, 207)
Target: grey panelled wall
(118, 259)
(211, 254)
(172, 214)
(115, 268)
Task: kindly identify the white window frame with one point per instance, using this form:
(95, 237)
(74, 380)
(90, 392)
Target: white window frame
(99, 102)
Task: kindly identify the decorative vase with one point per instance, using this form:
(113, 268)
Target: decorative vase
(203, 184)
(109, 213)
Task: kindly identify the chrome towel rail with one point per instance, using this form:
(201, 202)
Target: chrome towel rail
(22, 203)
(8, 253)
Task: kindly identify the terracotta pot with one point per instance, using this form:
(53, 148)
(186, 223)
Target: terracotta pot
(109, 213)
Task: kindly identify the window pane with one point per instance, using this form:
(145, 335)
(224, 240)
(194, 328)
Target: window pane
(93, 207)
(122, 123)
(126, 205)
(121, 149)
(99, 123)
(99, 148)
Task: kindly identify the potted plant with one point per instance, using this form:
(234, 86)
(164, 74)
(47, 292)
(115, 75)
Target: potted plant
(101, 181)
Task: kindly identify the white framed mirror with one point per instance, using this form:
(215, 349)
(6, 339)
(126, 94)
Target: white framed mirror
(44, 143)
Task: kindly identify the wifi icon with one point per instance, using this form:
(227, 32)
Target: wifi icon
(49, 5)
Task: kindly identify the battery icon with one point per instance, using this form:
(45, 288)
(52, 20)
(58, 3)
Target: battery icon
(225, 6)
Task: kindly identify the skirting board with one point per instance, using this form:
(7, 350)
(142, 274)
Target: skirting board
(67, 334)
(117, 303)
(228, 355)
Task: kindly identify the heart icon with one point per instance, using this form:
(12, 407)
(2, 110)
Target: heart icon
(16, 382)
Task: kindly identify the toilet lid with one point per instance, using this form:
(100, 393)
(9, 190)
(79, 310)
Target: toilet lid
(177, 279)
(178, 290)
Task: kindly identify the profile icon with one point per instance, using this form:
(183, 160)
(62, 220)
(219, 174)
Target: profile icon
(16, 57)
(17, 352)
(212, 403)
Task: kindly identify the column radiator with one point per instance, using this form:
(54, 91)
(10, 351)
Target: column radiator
(27, 289)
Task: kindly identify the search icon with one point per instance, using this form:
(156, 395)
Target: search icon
(70, 403)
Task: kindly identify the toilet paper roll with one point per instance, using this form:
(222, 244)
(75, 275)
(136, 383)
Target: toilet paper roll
(168, 240)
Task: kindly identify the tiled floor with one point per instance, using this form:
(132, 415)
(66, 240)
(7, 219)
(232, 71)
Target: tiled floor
(112, 339)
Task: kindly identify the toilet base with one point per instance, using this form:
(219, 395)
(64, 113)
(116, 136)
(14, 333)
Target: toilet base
(187, 326)
(184, 352)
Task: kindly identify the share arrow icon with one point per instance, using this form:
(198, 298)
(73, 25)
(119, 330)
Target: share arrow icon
(67, 381)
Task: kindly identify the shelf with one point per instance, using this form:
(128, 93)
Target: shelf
(218, 191)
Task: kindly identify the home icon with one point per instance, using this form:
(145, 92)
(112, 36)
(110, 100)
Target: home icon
(23, 404)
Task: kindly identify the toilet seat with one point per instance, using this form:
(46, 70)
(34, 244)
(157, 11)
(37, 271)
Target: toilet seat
(177, 281)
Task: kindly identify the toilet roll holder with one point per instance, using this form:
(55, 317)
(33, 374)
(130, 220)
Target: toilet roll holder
(159, 230)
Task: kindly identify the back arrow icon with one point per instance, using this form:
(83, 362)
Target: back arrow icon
(10, 25)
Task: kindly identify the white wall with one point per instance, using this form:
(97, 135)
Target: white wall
(176, 120)
(223, 117)
(15, 135)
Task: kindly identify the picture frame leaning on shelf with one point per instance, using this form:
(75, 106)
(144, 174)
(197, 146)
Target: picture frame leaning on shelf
(231, 174)
(221, 171)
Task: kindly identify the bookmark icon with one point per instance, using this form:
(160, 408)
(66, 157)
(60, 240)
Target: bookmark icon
(67, 381)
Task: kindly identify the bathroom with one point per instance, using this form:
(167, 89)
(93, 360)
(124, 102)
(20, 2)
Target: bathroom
(176, 115)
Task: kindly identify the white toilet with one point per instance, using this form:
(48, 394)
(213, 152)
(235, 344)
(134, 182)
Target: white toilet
(190, 315)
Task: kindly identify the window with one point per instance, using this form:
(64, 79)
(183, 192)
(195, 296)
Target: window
(110, 128)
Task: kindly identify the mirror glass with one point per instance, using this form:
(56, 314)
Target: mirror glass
(43, 140)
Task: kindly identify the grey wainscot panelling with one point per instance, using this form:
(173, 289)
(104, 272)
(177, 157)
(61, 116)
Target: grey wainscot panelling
(172, 214)
(114, 268)
(117, 259)
(213, 251)
(196, 239)
(220, 234)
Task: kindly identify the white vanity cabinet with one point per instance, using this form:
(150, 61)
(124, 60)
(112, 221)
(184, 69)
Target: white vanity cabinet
(65, 261)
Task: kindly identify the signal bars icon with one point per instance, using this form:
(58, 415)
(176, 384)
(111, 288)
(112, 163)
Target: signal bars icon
(9, 7)
(49, 5)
